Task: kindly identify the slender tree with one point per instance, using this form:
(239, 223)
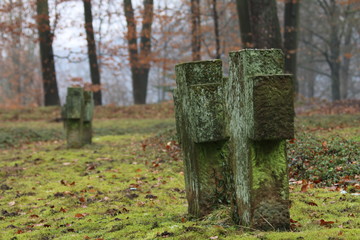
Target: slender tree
(346, 62)
(195, 30)
(139, 58)
(51, 95)
(94, 67)
(291, 22)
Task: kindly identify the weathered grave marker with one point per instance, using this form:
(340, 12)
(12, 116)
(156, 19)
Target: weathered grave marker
(88, 115)
(74, 116)
(255, 106)
(77, 113)
(201, 128)
(259, 103)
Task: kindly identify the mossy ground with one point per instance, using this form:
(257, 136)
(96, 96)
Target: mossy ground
(129, 184)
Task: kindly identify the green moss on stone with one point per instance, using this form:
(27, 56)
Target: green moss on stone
(273, 108)
(269, 164)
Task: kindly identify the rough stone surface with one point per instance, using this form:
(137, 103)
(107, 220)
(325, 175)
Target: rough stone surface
(200, 125)
(206, 112)
(273, 116)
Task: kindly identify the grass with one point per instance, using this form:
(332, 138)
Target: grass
(13, 134)
(129, 184)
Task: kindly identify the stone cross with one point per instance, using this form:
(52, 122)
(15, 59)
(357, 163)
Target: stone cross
(77, 113)
(237, 129)
(200, 125)
(260, 110)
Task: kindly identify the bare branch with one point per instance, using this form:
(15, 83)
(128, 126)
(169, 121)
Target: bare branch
(317, 35)
(315, 71)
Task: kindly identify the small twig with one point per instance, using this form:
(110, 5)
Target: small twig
(267, 222)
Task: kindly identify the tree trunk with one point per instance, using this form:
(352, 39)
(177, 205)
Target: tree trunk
(244, 23)
(310, 84)
(140, 81)
(291, 21)
(346, 64)
(145, 51)
(16, 21)
(94, 67)
(216, 30)
(264, 24)
(139, 62)
(51, 95)
(195, 30)
(333, 58)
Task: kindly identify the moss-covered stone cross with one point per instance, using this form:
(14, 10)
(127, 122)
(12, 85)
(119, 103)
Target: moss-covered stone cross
(244, 123)
(259, 106)
(77, 113)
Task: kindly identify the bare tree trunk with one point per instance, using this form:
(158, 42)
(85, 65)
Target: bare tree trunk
(244, 23)
(346, 64)
(265, 25)
(195, 30)
(145, 51)
(16, 22)
(139, 62)
(216, 30)
(334, 55)
(93, 63)
(291, 21)
(51, 95)
(132, 45)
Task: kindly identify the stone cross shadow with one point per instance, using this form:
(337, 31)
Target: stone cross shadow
(233, 134)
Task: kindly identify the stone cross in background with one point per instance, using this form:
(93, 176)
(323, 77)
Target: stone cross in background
(201, 129)
(233, 135)
(77, 113)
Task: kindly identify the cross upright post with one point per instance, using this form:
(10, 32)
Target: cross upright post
(260, 111)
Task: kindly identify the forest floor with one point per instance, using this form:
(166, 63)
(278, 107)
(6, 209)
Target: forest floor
(129, 183)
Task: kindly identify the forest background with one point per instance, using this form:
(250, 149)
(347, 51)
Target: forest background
(126, 50)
